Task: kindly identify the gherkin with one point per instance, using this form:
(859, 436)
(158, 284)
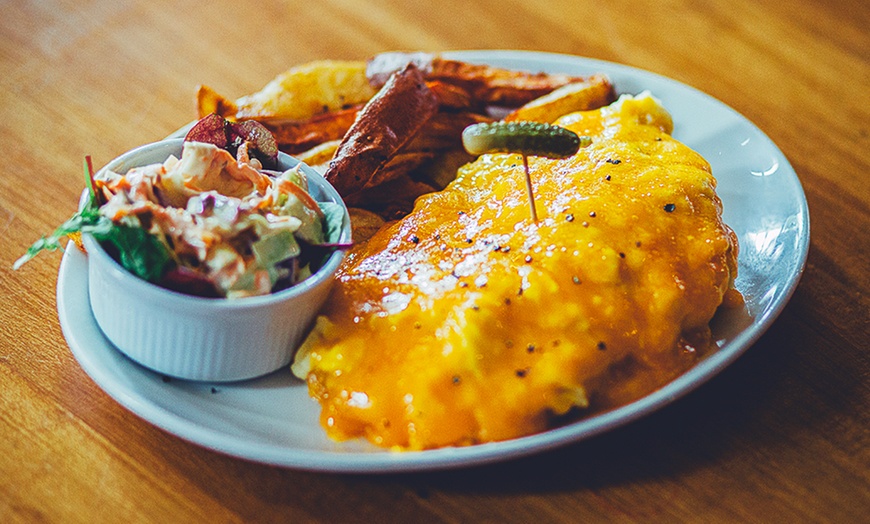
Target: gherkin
(527, 138)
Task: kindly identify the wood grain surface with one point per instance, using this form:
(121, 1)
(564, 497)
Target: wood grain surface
(780, 436)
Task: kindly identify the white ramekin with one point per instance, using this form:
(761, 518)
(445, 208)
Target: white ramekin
(205, 339)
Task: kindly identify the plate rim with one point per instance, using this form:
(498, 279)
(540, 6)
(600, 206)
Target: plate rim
(385, 461)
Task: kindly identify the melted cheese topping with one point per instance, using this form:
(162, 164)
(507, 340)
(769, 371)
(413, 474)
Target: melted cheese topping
(466, 322)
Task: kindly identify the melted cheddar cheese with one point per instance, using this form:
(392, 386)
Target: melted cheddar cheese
(466, 322)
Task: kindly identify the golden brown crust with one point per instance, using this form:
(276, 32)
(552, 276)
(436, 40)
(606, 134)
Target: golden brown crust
(452, 97)
(208, 101)
(364, 224)
(486, 85)
(382, 127)
(592, 93)
(296, 136)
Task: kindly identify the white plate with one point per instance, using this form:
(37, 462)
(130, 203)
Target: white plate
(272, 419)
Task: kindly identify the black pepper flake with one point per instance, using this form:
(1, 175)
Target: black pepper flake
(415, 239)
(507, 301)
(457, 379)
(592, 214)
(506, 249)
(637, 244)
(520, 291)
(522, 372)
(621, 254)
(670, 207)
(497, 248)
(528, 258)
(475, 307)
(463, 284)
(461, 213)
(658, 139)
(569, 217)
(468, 241)
(613, 161)
(530, 348)
(607, 178)
(214, 390)
(437, 236)
(602, 346)
(575, 279)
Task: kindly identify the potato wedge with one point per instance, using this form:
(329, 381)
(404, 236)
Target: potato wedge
(451, 96)
(383, 126)
(308, 90)
(391, 200)
(363, 224)
(592, 93)
(400, 165)
(319, 156)
(208, 101)
(443, 168)
(496, 86)
(295, 136)
(444, 131)
(487, 85)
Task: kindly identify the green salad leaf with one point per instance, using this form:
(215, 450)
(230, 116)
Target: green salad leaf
(138, 251)
(333, 218)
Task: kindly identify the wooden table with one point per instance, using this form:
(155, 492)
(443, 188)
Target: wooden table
(780, 436)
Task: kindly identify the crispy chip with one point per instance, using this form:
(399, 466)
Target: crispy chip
(295, 136)
(391, 200)
(400, 165)
(208, 101)
(382, 127)
(487, 85)
(363, 223)
(444, 131)
(592, 93)
(319, 156)
(308, 90)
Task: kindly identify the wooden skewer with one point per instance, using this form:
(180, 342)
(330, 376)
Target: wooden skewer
(529, 189)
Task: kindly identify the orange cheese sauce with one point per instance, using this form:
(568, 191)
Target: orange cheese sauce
(466, 322)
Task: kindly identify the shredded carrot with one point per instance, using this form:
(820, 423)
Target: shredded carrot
(290, 187)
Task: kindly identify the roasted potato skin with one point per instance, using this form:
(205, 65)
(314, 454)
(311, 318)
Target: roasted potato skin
(591, 93)
(485, 84)
(382, 127)
(308, 90)
(208, 101)
(296, 136)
